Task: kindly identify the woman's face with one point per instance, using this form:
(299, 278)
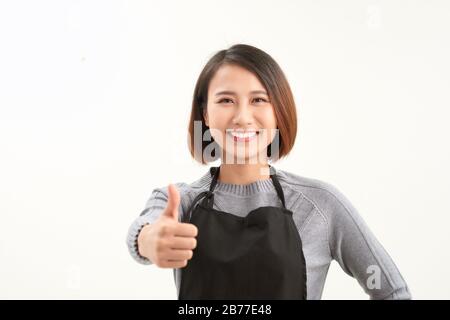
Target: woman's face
(240, 115)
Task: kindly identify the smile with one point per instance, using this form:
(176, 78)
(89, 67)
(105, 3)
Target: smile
(243, 136)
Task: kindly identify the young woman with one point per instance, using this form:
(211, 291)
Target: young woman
(245, 230)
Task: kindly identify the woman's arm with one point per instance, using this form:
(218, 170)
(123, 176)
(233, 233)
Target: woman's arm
(154, 207)
(357, 250)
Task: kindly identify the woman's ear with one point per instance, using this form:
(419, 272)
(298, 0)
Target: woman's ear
(205, 116)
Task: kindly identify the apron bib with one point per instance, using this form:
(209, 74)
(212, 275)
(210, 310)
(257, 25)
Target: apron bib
(259, 256)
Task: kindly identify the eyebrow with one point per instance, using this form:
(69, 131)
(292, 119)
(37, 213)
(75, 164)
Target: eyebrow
(234, 93)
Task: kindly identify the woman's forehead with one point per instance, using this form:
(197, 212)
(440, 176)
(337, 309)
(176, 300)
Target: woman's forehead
(234, 78)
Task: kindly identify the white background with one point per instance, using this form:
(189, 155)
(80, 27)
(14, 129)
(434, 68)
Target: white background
(94, 103)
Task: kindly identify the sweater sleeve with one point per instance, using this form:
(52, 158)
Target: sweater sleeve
(153, 209)
(359, 253)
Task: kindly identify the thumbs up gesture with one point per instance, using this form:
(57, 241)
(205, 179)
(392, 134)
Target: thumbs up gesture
(167, 242)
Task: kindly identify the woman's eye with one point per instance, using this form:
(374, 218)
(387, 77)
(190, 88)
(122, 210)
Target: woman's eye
(260, 100)
(225, 100)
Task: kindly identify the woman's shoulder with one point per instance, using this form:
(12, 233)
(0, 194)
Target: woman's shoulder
(187, 190)
(306, 185)
(323, 195)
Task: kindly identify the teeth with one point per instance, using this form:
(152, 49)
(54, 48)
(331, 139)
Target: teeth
(243, 135)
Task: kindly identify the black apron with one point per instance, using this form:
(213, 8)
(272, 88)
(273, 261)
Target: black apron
(259, 256)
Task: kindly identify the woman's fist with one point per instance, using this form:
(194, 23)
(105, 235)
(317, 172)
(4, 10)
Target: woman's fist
(167, 242)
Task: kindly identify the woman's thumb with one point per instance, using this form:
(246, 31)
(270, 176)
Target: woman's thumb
(173, 202)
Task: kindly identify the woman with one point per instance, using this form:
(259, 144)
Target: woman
(245, 230)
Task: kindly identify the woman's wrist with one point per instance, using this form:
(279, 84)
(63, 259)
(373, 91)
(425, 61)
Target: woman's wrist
(140, 241)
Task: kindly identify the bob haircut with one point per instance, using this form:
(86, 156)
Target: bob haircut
(269, 73)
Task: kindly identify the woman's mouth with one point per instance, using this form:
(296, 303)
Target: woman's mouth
(243, 136)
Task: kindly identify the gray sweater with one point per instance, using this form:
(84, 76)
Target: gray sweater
(328, 224)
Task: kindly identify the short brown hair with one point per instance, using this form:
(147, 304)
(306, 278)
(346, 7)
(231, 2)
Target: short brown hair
(269, 73)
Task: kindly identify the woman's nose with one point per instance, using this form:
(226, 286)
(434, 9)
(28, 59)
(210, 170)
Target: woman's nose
(243, 115)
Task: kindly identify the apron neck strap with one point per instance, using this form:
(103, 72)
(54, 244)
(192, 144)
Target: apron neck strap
(277, 185)
(215, 177)
(214, 171)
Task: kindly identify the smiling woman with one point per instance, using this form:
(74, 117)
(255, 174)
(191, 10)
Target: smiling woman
(245, 230)
(243, 94)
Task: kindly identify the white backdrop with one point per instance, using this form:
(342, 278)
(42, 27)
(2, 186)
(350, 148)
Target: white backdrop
(94, 103)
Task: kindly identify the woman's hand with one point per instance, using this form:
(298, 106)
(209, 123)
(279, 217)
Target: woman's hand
(167, 242)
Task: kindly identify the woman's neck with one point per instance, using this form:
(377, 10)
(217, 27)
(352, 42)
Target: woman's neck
(243, 173)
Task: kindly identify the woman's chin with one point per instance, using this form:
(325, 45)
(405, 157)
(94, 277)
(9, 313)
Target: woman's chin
(244, 157)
